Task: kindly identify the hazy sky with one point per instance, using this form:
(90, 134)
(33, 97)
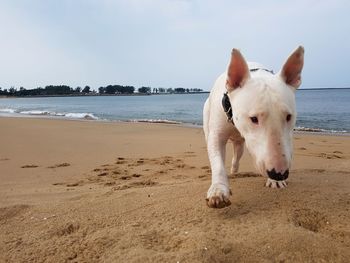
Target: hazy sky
(167, 43)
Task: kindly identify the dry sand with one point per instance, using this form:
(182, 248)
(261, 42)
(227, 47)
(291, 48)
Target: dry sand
(74, 191)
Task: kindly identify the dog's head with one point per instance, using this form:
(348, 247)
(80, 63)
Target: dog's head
(263, 107)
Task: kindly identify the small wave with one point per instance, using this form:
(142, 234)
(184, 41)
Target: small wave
(306, 129)
(86, 116)
(69, 115)
(35, 112)
(7, 110)
(155, 121)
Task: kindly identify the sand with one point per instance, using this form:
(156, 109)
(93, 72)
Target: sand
(81, 191)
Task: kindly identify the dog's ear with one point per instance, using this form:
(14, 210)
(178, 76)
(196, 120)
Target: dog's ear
(291, 70)
(237, 72)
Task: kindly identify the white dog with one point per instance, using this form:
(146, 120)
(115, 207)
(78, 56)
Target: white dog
(249, 104)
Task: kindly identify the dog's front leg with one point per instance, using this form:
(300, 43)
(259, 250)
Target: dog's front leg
(238, 149)
(219, 191)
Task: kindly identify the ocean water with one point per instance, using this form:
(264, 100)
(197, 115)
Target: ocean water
(318, 110)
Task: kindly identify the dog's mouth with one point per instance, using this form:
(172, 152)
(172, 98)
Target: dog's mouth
(272, 174)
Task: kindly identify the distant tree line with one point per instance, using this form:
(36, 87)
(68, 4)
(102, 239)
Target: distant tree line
(62, 90)
(175, 90)
(168, 90)
(47, 91)
(116, 89)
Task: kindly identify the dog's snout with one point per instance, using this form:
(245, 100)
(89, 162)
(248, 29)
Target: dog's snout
(277, 176)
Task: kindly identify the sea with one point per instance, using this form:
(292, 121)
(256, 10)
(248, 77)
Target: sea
(319, 110)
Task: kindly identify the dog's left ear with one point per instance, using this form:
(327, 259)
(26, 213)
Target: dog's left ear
(237, 72)
(291, 70)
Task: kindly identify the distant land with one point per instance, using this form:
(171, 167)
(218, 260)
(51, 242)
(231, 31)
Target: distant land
(110, 90)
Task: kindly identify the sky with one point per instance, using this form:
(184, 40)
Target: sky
(167, 43)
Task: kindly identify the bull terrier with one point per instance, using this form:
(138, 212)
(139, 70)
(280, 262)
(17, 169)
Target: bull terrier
(250, 105)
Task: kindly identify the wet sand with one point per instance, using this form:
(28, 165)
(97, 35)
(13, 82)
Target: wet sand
(81, 191)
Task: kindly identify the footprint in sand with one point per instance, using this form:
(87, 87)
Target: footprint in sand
(59, 165)
(329, 156)
(121, 160)
(12, 211)
(339, 152)
(179, 176)
(245, 175)
(68, 184)
(136, 172)
(109, 183)
(120, 187)
(59, 183)
(72, 184)
(147, 182)
(142, 183)
(30, 166)
(309, 219)
(66, 230)
(302, 148)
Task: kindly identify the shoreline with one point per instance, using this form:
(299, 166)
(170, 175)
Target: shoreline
(165, 122)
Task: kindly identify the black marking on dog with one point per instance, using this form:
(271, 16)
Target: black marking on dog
(277, 176)
(256, 69)
(226, 104)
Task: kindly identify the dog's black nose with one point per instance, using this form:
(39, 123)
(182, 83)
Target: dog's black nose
(277, 176)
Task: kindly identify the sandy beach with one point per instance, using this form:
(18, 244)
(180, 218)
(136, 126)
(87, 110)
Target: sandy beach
(87, 191)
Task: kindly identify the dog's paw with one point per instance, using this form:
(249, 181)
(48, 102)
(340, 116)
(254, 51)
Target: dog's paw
(275, 184)
(218, 196)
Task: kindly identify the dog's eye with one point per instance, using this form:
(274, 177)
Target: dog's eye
(288, 117)
(254, 120)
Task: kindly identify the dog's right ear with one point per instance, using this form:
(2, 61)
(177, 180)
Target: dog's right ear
(237, 72)
(291, 70)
